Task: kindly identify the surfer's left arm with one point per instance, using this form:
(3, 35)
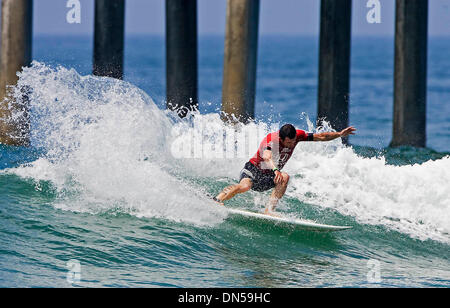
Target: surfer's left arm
(333, 135)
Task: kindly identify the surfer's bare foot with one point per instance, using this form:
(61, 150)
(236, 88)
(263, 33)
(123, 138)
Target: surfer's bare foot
(270, 213)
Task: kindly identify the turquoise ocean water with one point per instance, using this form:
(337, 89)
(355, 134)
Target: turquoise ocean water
(100, 188)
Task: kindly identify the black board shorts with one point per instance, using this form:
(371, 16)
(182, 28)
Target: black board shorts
(262, 181)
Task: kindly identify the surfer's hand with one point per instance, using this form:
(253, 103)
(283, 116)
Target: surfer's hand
(348, 131)
(278, 177)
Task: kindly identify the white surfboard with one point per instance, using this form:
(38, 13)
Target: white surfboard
(300, 224)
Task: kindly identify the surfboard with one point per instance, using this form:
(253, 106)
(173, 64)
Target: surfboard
(299, 224)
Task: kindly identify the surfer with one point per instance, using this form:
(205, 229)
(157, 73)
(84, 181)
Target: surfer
(263, 171)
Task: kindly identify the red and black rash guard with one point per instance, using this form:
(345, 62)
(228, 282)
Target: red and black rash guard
(280, 157)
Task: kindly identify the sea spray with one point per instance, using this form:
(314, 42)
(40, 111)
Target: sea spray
(105, 145)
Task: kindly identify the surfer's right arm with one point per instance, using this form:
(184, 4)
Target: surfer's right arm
(327, 136)
(267, 157)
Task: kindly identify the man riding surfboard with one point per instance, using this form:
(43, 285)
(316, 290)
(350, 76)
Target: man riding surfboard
(263, 171)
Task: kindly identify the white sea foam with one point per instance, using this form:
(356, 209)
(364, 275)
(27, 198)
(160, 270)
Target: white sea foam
(413, 199)
(108, 146)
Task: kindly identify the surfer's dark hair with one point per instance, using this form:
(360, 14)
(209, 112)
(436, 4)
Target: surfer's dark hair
(287, 130)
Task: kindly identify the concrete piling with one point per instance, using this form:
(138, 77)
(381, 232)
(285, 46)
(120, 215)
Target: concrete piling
(16, 45)
(181, 56)
(410, 73)
(109, 38)
(240, 60)
(334, 62)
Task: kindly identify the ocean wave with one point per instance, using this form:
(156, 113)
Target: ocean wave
(107, 145)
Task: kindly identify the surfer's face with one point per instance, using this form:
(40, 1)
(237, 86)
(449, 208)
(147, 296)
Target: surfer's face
(288, 143)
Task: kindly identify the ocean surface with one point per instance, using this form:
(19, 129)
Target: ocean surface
(99, 199)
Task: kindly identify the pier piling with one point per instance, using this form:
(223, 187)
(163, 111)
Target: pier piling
(109, 38)
(334, 62)
(16, 45)
(181, 56)
(240, 59)
(410, 73)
